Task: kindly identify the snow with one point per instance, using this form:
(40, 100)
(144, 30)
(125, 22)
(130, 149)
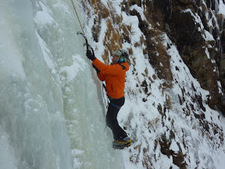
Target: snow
(71, 71)
(221, 7)
(133, 22)
(52, 104)
(208, 36)
(139, 10)
(196, 17)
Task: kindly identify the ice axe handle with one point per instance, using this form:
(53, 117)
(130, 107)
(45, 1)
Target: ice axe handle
(85, 38)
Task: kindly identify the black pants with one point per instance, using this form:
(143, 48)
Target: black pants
(111, 118)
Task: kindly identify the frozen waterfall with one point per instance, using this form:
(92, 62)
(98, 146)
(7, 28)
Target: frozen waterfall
(52, 114)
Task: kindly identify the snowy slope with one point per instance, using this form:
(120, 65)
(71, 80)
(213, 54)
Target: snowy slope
(171, 127)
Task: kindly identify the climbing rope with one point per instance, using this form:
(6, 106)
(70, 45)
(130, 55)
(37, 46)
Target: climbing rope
(76, 13)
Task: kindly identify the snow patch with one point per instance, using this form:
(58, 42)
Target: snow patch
(72, 71)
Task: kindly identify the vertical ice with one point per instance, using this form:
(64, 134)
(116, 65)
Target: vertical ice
(31, 102)
(51, 109)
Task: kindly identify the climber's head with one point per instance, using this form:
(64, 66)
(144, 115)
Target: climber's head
(120, 56)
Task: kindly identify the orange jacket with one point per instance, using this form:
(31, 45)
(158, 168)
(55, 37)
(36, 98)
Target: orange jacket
(114, 76)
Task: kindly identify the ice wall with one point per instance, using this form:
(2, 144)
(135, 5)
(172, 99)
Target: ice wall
(31, 116)
(51, 111)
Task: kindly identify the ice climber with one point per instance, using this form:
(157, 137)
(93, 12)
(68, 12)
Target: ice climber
(114, 76)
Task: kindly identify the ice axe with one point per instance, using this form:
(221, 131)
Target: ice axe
(86, 41)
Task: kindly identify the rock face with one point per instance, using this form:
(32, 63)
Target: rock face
(200, 40)
(198, 32)
(196, 29)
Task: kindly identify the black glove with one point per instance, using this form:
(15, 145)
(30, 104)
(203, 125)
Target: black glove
(90, 54)
(97, 70)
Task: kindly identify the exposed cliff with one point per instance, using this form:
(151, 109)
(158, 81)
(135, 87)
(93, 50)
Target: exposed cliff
(197, 29)
(181, 43)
